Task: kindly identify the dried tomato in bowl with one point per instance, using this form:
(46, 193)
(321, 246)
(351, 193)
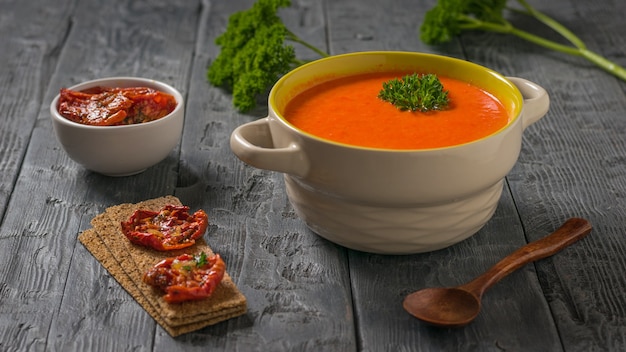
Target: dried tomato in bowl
(106, 106)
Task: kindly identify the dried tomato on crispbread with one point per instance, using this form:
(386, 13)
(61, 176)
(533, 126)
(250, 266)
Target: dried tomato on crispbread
(186, 277)
(170, 228)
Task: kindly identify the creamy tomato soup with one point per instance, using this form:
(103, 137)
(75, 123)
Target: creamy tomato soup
(348, 110)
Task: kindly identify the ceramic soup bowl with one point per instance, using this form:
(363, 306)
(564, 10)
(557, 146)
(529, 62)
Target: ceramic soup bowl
(391, 201)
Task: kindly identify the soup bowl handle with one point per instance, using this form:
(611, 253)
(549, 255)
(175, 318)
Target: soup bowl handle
(536, 100)
(253, 144)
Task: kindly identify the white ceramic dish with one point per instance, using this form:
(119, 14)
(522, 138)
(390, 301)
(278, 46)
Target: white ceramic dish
(120, 150)
(391, 201)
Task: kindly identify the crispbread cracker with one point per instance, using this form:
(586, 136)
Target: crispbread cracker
(136, 260)
(94, 244)
(109, 245)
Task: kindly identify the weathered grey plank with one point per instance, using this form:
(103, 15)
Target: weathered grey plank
(515, 306)
(384, 325)
(151, 39)
(297, 284)
(379, 25)
(572, 165)
(69, 302)
(520, 295)
(28, 52)
(578, 168)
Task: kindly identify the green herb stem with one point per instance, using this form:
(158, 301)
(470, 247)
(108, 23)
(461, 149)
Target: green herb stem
(450, 18)
(581, 51)
(553, 24)
(294, 38)
(604, 63)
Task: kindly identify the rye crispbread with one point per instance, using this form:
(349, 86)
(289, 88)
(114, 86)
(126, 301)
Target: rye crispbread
(127, 263)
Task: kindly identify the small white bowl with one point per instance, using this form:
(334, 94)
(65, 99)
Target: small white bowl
(120, 150)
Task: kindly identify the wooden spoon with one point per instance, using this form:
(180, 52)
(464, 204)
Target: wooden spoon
(458, 306)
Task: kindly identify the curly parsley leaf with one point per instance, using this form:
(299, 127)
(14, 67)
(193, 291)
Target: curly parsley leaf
(201, 260)
(415, 92)
(255, 53)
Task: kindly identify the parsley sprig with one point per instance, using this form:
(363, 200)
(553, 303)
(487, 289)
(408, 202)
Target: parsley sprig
(201, 260)
(256, 50)
(449, 18)
(415, 92)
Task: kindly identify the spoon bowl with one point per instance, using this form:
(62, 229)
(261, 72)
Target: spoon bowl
(448, 307)
(458, 306)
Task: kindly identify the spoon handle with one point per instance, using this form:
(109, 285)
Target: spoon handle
(571, 231)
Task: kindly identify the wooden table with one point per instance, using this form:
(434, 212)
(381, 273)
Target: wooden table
(304, 293)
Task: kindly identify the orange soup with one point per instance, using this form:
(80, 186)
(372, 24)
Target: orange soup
(348, 110)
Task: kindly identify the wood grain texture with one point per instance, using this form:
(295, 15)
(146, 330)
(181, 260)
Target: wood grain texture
(571, 165)
(28, 55)
(149, 39)
(506, 306)
(297, 284)
(304, 293)
(75, 305)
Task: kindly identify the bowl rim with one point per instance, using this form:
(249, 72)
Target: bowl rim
(108, 82)
(273, 105)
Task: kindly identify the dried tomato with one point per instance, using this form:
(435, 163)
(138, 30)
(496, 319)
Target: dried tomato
(105, 106)
(168, 229)
(186, 277)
